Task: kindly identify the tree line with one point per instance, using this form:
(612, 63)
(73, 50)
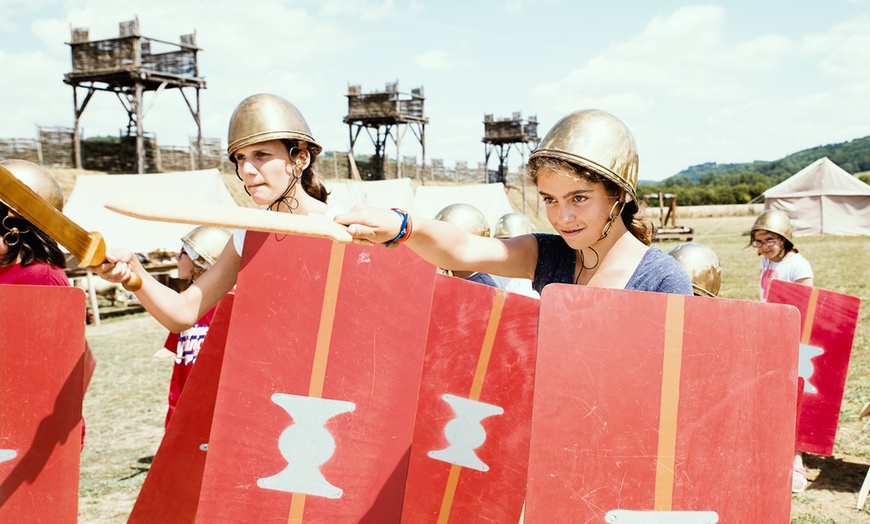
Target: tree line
(712, 183)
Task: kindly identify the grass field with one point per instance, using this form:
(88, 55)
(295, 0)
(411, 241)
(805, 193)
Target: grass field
(126, 403)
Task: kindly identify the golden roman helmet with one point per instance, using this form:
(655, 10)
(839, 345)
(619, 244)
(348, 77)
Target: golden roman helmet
(597, 141)
(702, 265)
(38, 179)
(207, 242)
(263, 117)
(512, 225)
(775, 221)
(466, 217)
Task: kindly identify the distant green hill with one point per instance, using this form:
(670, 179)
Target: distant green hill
(713, 183)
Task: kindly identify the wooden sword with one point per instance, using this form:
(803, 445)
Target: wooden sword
(89, 248)
(206, 214)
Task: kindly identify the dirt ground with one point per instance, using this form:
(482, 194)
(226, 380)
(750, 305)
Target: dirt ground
(124, 410)
(833, 492)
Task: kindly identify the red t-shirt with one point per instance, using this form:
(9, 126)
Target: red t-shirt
(37, 274)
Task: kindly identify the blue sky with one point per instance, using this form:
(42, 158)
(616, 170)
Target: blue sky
(723, 82)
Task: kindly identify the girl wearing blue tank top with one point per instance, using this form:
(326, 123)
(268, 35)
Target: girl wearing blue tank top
(586, 173)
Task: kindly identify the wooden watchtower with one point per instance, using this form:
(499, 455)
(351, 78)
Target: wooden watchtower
(502, 134)
(386, 114)
(129, 66)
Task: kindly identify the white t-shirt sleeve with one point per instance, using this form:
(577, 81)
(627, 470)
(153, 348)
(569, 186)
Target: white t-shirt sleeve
(239, 240)
(799, 269)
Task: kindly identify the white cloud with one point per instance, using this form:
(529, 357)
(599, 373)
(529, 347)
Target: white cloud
(53, 33)
(843, 50)
(416, 6)
(437, 60)
(518, 6)
(514, 6)
(680, 56)
(43, 103)
(366, 11)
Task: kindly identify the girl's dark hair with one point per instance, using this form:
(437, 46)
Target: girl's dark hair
(311, 182)
(33, 245)
(633, 214)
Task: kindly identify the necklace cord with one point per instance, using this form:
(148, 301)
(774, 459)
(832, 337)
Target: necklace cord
(584, 266)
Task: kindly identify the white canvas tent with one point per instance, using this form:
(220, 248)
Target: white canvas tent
(378, 193)
(85, 206)
(491, 199)
(426, 201)
(823, 199)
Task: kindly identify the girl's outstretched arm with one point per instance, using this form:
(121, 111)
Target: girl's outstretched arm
(175, 311)
(444, 244)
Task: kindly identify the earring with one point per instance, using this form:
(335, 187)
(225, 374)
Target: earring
(12, 237)
(13, 234)
(299, 164)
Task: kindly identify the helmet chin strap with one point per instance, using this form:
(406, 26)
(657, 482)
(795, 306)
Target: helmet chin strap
(604, 233)
(612, 217)
(290, 200)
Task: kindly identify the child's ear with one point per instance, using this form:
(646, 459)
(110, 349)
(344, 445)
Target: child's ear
(305, 157)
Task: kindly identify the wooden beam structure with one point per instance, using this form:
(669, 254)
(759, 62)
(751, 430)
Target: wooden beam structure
(386, 114)
(129, 66)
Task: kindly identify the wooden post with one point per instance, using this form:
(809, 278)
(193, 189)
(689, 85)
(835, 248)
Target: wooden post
(92, 294)
(77, 146)
(423, 144)
(865, 489)
(198, 132)
(158, 160)
(354, 172)
(140, 139)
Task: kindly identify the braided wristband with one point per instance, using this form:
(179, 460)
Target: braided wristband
(403, 231)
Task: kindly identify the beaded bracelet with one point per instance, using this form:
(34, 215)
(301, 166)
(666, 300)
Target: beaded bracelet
(410, 228)
(404, 231)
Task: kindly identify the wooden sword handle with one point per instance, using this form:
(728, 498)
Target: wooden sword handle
(133, 282)
(95, 254)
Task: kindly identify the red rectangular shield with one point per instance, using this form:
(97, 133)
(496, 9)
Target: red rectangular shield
(828, 323)
(42, 346)
(315, 408)
(471, 439)
(172, 488)
(648, 403)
